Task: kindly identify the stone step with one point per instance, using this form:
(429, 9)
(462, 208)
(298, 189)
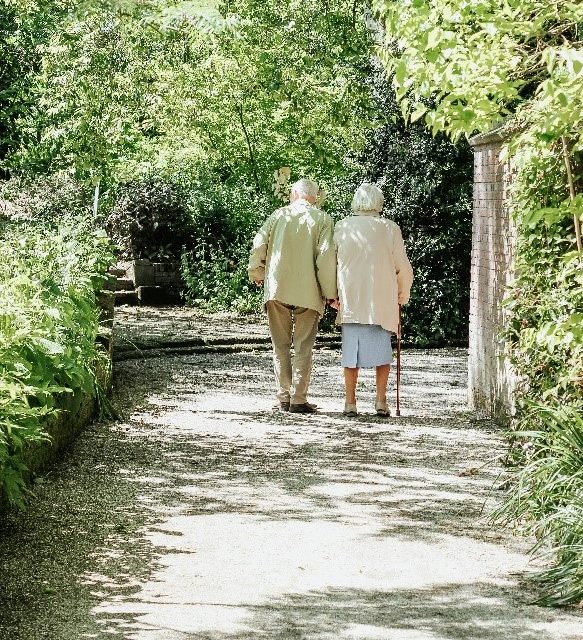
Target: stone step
(124, 284)
(126, 297)
(118, 272)
(110, 282)
(158, 296)
(106, 300)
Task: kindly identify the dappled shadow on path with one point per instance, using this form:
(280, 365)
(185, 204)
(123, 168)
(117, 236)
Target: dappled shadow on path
(204, 514)
(447, 612)
(276, 525)
(166, 325)
(224, 451)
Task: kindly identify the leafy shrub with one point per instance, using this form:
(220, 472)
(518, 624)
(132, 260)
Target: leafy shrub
(48, 327)
(48, 198)
(224, 220)
(221, 215)
(149, 219)
(193, 217)
(217, 283)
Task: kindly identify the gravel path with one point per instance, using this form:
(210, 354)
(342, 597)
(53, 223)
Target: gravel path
(202, 514)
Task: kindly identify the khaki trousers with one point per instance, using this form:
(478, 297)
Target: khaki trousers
(298, 326)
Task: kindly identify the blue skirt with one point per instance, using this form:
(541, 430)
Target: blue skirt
(365, 345)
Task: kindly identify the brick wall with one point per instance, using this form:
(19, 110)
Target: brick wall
(144, 273)
(167, 274)
(491, 380)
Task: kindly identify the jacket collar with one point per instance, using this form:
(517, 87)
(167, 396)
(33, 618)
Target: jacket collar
(367, 213)
(300, 202)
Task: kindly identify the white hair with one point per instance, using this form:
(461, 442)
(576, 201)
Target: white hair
(368, 197)
(305, 188)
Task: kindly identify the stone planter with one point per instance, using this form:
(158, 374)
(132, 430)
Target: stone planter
(142, 273)
(145, 282)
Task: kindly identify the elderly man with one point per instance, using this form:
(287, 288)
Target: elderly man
(293, 255)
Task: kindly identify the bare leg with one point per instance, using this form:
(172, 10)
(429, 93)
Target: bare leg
(350, 380)
(382, 378)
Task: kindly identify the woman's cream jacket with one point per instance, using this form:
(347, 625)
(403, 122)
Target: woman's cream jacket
(374, 273)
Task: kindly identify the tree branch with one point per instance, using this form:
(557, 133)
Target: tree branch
(249, 146)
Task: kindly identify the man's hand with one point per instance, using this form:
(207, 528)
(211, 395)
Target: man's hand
(258, 283)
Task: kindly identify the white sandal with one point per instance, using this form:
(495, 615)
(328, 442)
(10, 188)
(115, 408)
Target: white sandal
(350, 411)
(382, 409)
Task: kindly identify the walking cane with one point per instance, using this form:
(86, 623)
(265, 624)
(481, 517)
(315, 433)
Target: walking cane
(398, 411)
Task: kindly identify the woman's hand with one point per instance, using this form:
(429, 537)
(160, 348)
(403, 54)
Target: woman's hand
(335, 304)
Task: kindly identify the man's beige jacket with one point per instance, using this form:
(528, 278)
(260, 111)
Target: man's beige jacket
(374, 273)
(293, 253)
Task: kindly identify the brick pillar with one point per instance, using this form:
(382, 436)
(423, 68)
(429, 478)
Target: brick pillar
(490, 379)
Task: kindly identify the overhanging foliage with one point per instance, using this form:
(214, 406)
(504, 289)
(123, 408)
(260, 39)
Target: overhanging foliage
(462, 66)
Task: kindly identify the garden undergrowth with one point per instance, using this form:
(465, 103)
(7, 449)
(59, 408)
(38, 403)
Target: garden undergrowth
(49, 320)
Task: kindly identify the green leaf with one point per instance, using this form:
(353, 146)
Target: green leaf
(53, 348)
(419, 112)
(434, 37)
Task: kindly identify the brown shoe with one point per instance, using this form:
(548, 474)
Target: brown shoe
(281, 406)
(303, 408)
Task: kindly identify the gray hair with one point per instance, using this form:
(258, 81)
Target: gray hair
(305, 188)
(368, 197)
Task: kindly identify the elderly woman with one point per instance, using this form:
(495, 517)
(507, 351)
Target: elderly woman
(374, 278)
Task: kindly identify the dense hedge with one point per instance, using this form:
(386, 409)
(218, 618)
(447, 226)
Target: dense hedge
(48, 329)
(214, 266)
(149, 219)
(427, 183)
